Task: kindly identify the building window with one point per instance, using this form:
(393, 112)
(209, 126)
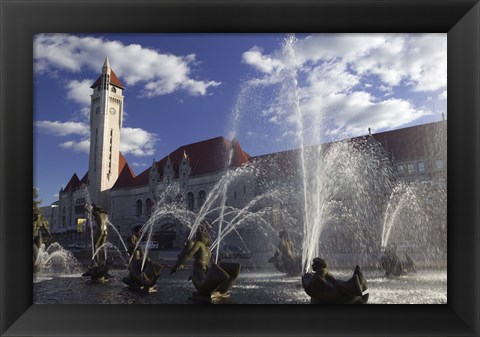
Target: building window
(421, 167)
(139, 207)
(201, 198)
(234, 195)
(401, 169)
(114, 90)
(190, 200)
(149, 206)
(439, 164)
(411, 168)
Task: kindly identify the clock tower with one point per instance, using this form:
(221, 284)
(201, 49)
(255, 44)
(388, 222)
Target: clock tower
(106, 112)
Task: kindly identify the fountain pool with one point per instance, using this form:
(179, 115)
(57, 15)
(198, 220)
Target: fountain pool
(251, 287)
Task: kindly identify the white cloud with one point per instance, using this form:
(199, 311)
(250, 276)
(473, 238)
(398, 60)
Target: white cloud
(77, 146)
(387, 90)
(159, 73)
(353, 114)
(80, 91)
(348, 47)
(57, 128)
(262, 63)
(332, 69)
(135, 164)
(419, 59)
(137, 142)
(443, 95)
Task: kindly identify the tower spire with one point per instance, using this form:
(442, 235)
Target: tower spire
(106, 66)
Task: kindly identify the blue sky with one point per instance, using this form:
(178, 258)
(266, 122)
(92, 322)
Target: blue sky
(184, 88)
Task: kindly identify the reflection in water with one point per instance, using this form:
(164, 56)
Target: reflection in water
(257, 288)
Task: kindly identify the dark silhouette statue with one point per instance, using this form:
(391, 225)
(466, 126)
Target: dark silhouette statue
(133, 241)
(40, 233)
(98, 269)
(40, 230)
(141, 279)
(324, 288)
(392, 264)
(284, 259)
(210, 279)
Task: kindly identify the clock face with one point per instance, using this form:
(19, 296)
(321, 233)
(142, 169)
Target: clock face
(112, 111)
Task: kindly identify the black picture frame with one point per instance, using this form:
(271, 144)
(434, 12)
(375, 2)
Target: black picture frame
(21, 19)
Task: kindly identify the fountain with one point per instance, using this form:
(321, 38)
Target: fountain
(143, 272)
(225, 221)
(54, 259)
(285, 259)
(414, 224)
(49, 258)
(342, 184)
(100, 265)
(338, 202)
(212, 280)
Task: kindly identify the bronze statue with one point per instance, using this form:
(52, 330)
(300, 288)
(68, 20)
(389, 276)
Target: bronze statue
(284, 259)
(209, 279)
(392, 264)
(98, 270)
(132, 242)
(138, 279)
(100, 237)
(146, 279)
(40, 230)
(324, 288)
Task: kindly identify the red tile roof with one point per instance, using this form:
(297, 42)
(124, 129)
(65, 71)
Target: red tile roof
(206, 157)
(121, 162)
(211, 155)
(84, 180)
(283, 164)
(403, 144)
(113, 80)
(125, 178)
(73, 183)
(415, 142)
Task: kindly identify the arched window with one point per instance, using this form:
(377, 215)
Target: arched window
(139, 207)
(190, 200)
(113, 89)
(149, 206)
(201, 198)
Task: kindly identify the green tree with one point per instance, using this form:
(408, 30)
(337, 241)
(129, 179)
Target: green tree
(36, 210)
(36, 202)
